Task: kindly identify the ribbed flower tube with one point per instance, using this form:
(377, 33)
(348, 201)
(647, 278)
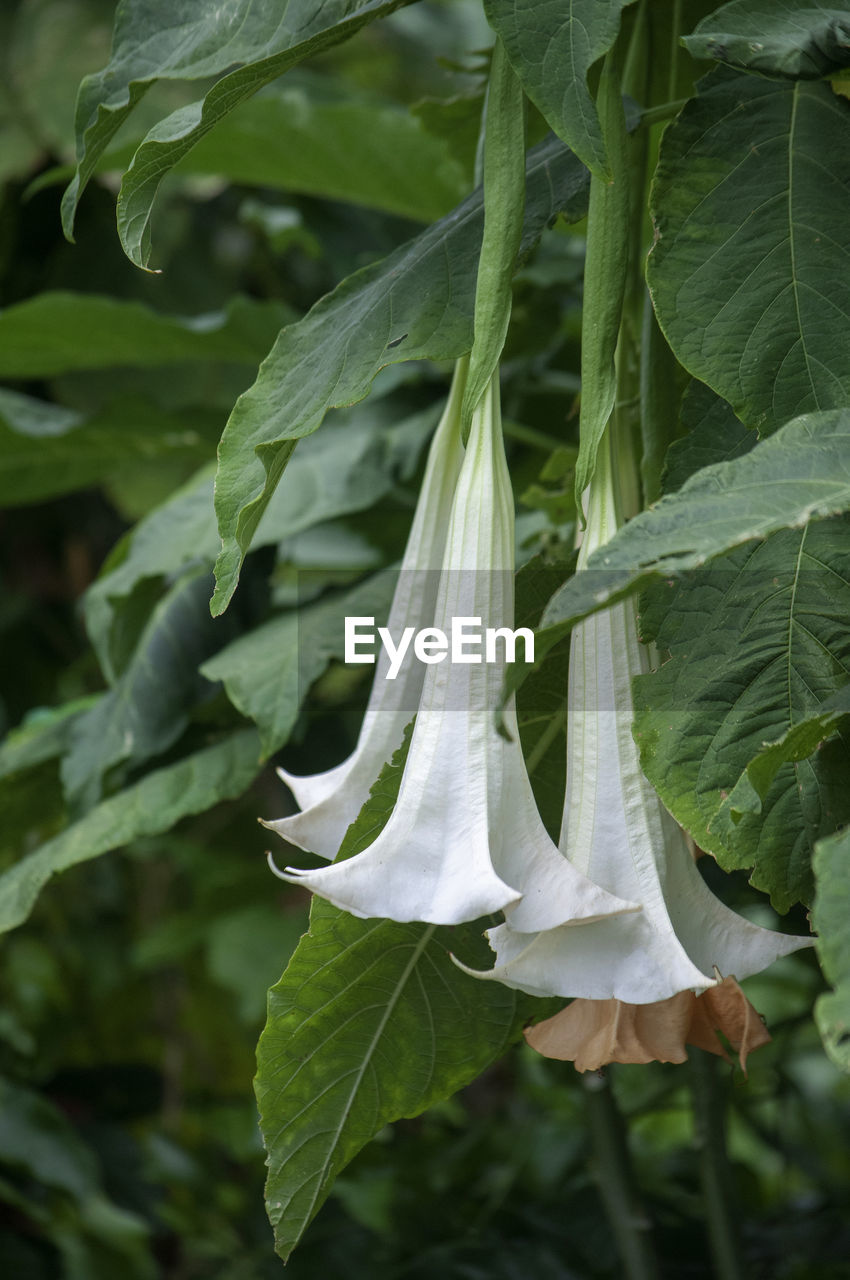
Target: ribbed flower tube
(331, 801)
(616, 831)
(465, 838)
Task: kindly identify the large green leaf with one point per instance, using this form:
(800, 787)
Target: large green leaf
(343, 148)
(800, 473)
(189, 40)
(149, 706)
(758, 641)
(831, 920)
(55, 332)
(552, 45)
(355, 461)
(46, 449)
(371, 1022)
(268, 672)
(749, 273)
(714, 434)
(803, 41)
(152, 805)
(415, 304)
(799, 742)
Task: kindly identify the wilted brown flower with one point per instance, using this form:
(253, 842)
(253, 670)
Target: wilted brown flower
(591, 1033)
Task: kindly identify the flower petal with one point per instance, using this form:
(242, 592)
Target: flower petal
(331, 801)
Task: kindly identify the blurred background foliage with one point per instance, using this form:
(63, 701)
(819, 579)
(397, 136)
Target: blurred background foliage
(133, 997)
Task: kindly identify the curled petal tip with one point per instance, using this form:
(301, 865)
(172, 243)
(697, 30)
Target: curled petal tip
(274, 867)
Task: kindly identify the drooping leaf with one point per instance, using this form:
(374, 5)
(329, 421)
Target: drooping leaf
(189, 40)
(371, 1022)
(42, 736)
(552, 46)
(57, 331)
(339, 147)
(749, 272)
(800, 40)
(831, 921)
(267, 673)
(797, 744)
(30, 791)
(800, 473)
(758, 641)
(714, 434)
(415, 304)
(150, 806)
(47, 449)
(148, 708)
(355, 461)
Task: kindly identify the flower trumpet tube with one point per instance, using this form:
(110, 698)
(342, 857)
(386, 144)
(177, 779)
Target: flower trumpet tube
(616, 831)
(331, 801)
(465, 838)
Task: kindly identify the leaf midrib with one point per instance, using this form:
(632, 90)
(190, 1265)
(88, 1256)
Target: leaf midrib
(366, 1060)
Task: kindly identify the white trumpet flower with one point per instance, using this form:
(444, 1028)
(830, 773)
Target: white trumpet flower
(331, 801)
(465, 838)
(616, 831)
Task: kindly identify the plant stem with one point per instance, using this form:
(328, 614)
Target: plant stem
(716, 1174)
(614, 1177)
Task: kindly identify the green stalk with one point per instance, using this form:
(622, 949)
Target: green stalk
(612, 1170)
(606, 262)
(504, 207)
(716, 1176)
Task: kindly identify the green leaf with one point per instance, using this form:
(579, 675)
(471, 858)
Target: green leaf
(56, 332)
(714, 434)
(43, 735)
(552, 45)
(38, 1140)
(831, 920)
(353, 463)
(47, 450)
(758, 642)
(415, 304)
(805, 41)
(749, 273)
(189, 40)
(799, 743)
(371, 1022)
(30, 792)
(342, 148)
(800, 473)
(153, 805)
(148, 708)
(267, 673)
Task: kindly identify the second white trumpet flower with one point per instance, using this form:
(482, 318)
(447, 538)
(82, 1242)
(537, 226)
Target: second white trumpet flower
(616, 831)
